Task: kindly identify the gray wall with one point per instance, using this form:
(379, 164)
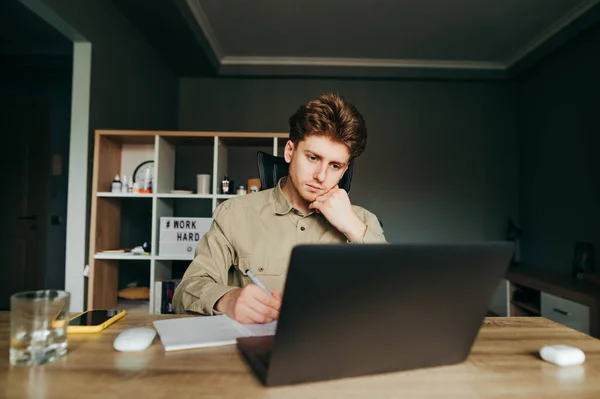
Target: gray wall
(559, 136)
(132, 87)
(440, 163)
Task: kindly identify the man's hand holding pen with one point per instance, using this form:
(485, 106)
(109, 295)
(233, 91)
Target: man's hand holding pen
(250, 304)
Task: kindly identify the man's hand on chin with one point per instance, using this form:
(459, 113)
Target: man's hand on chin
(337, 209)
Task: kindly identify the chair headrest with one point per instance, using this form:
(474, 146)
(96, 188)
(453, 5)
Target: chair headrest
(271, 168)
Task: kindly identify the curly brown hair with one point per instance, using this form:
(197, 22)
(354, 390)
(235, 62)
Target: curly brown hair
(330, 115)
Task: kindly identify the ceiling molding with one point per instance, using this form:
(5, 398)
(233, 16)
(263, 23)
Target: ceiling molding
(380, 68)
(358, 72)
(204, 23)
(360, 68)
(552, 31)
(361, 62)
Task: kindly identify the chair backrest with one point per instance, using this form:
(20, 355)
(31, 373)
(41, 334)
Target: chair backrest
(271, 168)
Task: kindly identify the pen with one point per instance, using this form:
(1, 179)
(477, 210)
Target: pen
(258, 282)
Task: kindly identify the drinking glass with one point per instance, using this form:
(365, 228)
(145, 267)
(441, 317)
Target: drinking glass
(38, 326)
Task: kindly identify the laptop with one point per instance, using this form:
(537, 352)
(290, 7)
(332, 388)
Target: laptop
(353, 310)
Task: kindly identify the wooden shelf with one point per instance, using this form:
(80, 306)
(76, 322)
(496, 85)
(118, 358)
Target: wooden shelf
(189, 196)
(177, 156)
(172, 257)
(165, 195)
(109, 256)
(123, 195)
(121, 256)
(196, 196)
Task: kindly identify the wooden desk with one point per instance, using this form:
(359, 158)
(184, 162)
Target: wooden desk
(503, 363)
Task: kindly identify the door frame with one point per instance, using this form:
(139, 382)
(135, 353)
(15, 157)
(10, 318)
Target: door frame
(77, 197)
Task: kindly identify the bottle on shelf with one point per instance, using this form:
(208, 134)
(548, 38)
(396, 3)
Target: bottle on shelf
(116, 185)
(124, 185)
(147, 185)
(225, 185)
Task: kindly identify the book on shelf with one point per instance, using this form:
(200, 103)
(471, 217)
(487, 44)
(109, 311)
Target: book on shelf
(163, 295)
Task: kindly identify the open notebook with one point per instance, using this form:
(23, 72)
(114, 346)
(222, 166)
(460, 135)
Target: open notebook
(202, 331)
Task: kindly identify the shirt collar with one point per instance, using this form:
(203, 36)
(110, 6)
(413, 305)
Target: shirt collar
(282, 204)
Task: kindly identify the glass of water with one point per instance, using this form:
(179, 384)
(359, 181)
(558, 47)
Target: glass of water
(38, 326)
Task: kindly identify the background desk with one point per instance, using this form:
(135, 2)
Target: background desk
(503, 363)
(527, 291)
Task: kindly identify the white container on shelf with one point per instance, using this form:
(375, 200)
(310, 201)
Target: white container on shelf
(203, 184)
(179, 236)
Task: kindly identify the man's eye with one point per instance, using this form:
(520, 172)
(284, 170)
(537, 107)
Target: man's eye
(335, 166)
(312, 158)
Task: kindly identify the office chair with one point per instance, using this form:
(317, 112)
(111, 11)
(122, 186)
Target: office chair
(271, 168)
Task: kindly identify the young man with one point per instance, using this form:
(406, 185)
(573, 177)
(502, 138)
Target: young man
(257, 232)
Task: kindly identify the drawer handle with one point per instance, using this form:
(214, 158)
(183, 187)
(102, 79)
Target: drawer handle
(562, 312)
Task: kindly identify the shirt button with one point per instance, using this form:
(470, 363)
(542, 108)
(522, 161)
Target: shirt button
(302, 228)
(260, 269)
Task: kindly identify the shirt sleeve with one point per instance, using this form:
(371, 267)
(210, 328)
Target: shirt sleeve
(205, 280)
(374, 232)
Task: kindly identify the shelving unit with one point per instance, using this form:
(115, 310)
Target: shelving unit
(178, 157)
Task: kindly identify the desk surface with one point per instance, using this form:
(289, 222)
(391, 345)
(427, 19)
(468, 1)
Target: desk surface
(503, 363)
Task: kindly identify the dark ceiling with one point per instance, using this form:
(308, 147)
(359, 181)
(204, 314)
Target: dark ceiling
(357, 38)
(163, 24)
(218, 38)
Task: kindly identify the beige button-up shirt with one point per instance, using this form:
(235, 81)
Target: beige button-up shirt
(257, 232)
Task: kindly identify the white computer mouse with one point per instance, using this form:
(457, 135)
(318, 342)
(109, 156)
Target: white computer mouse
(134, 339)
(562, 355)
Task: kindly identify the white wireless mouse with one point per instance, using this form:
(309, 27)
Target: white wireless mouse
(562, 355)
(134, 339)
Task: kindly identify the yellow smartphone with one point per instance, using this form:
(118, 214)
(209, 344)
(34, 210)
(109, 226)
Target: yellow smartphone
(92, 321)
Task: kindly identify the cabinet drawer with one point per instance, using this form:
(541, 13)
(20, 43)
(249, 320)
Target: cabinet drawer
(563, 311)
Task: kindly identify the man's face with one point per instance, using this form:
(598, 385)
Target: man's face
(316, 165)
